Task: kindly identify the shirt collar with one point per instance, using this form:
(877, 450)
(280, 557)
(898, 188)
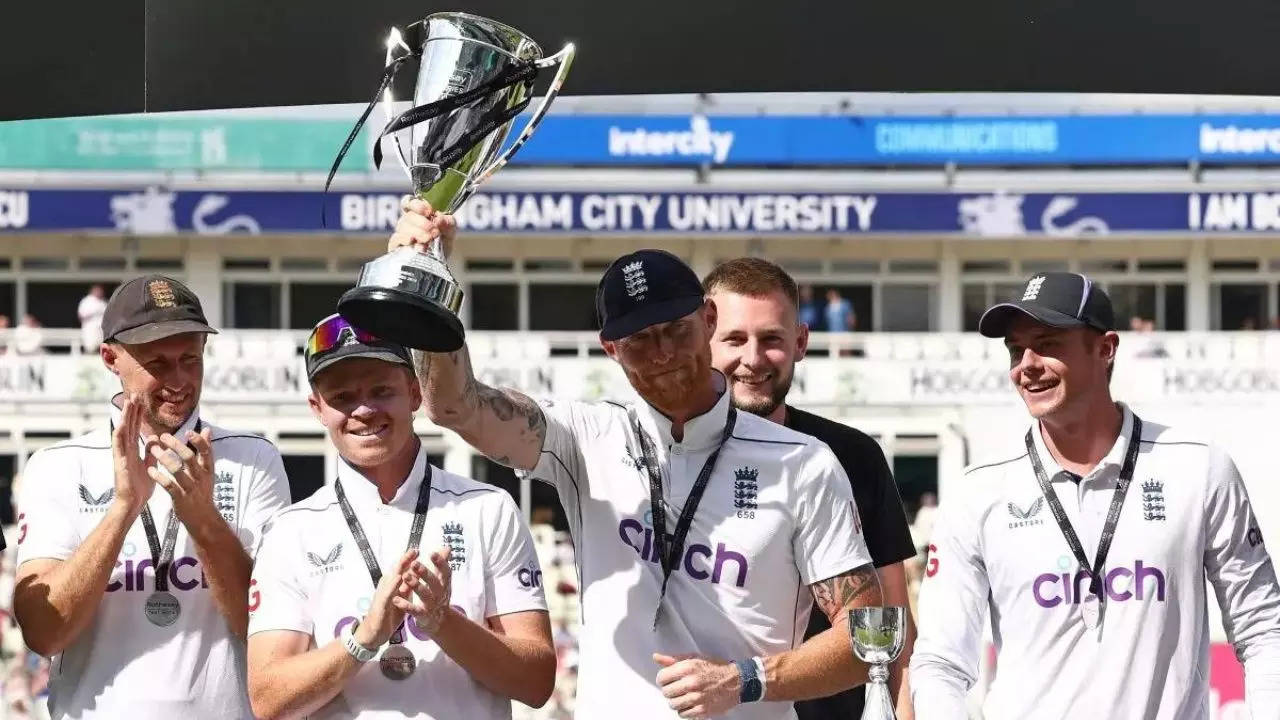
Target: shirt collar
(363, 493)
(701, 432)
(1113, 459)
(181, 433)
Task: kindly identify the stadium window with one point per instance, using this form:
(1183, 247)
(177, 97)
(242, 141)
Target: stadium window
(56, 304)
(1235, 265)
(1162, 266)
(1003, 267)
(306, 475)
(493, 306)
(548, 264)
(310, 302)
(546, 504)
(6, 263)
(45, 263)
(102, 263)
(562, 306)
(8, 301)
(238, 263)
(859, 295)
(906, 308)
(915, 476)
(489, 265)
(1161, 304)
(801, 266)
(977, 297)
(1099, 266)
(1031, 267)
(1238, 306)
(8, 466)
(907, 267)
(305, 264)
(155, 264)
(252, 306)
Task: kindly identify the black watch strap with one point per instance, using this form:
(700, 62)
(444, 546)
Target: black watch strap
(752, 689)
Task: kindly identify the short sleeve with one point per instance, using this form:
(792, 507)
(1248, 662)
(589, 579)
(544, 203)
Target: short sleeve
(267, 494)
(561, 463)
(512, 575)
(277, 598)
(46, 508)
(828, 538)
(884, 520)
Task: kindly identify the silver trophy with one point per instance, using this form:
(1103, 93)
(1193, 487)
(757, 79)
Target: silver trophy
(475, 76)
(878, 636)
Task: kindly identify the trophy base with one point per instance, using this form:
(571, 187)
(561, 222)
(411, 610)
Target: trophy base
(402, 317)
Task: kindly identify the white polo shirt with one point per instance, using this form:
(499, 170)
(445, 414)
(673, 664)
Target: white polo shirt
(122, 665)
(1186, 516)
(777, 515)
(310, 577)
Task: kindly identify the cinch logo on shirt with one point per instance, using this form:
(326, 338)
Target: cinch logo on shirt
(640, 539)
(1120, 584)
(179, 577)
(529, 577)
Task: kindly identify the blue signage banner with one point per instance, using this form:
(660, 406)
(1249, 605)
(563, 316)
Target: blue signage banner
(787, 140)
(150, 211)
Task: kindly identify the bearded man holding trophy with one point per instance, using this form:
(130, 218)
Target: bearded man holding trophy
(648, 650)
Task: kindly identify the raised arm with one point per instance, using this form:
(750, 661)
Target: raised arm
(60, 581)
(504, 424)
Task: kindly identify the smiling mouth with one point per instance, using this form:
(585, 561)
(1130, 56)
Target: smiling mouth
(370, 431)
(752, 382)
(1040, 387)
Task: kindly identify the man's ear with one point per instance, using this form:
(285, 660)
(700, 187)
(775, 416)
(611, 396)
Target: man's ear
(802, 342)
(110, 354)
(610, 348)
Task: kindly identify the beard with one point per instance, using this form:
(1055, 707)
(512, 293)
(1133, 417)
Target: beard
(762, 404)
(164, 421)
(670, 393)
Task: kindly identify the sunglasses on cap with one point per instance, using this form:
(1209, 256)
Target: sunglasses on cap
(331, 333)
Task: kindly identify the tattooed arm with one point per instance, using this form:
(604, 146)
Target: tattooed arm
(703, 687)
(825, 664)
(505, 425)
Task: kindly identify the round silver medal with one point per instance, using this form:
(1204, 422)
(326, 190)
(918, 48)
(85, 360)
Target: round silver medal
(397, 663)
(162, 609)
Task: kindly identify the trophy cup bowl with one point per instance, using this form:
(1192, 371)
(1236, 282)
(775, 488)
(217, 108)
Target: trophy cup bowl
(878, 634)
(408, 296)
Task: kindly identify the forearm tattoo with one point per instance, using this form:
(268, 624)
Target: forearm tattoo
(860, 587)
(503, 404)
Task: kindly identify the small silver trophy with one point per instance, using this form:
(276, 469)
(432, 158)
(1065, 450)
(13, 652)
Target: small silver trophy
(878, 635)
(475, 76)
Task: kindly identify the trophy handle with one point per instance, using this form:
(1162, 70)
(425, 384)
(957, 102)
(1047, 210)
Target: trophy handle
(565, 59)
(395, 40)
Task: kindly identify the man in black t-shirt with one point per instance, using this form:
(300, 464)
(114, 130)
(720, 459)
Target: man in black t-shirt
(757, 341)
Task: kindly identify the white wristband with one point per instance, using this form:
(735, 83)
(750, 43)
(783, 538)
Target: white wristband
(360, 653)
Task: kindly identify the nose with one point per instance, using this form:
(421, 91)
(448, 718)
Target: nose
(663, 349)
(753, 354)
(363, 411)
(1029, 362)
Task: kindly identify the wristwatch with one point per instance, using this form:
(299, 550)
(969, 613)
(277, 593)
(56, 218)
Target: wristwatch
(751, 675)
(361, 653)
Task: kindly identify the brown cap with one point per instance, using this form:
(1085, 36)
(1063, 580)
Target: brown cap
(150, 308)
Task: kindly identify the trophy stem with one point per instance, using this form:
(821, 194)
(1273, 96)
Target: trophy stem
(879, 703)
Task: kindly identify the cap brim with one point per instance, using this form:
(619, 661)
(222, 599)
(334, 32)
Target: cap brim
(160, 330)
(642, 317)
(356, 352)
(996, 320)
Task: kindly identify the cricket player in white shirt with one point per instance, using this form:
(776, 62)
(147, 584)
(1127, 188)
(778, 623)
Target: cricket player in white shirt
(139, 595)
(1089, 539)
(699, 530)
(401, 590)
